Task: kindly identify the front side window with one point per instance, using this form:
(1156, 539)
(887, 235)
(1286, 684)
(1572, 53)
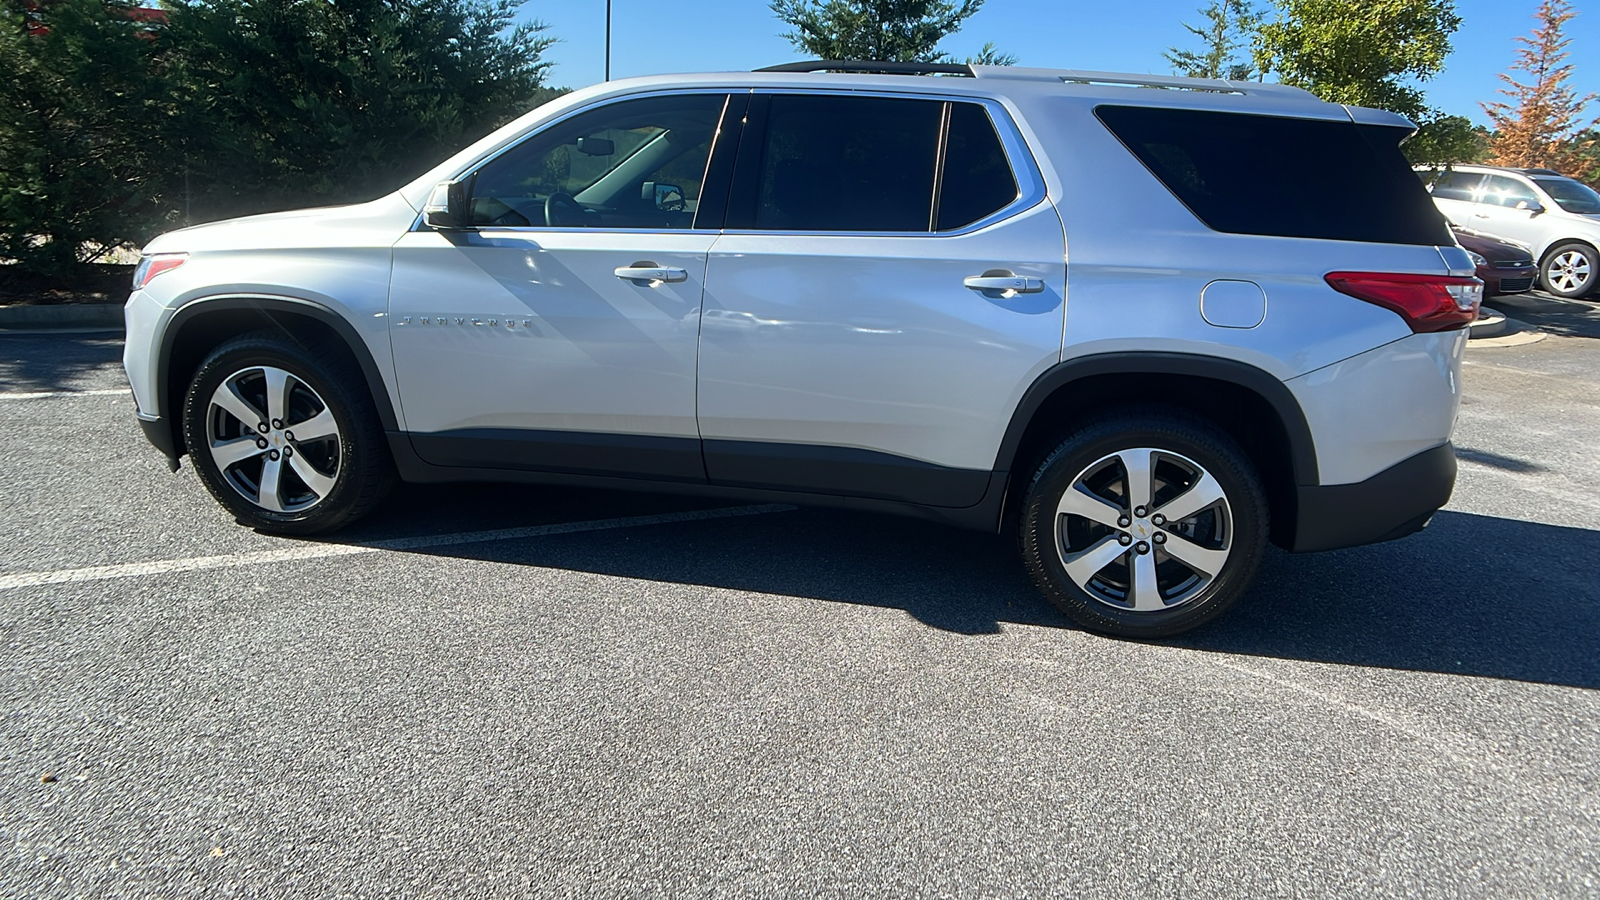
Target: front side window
(1499, 190)
(837, 163)
(630, 164)
(1572, 196)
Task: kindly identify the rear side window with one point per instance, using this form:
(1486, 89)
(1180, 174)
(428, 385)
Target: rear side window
(1455, 185)
(977, 176)
(1250, 174)
(848, 164)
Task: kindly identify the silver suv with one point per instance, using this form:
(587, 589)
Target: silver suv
(1102, 312)
(1557, 217)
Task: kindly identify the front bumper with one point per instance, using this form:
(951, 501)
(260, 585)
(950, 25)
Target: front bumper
(1391, 504)
(1500, 282)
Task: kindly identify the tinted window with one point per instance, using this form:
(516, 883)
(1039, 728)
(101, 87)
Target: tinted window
(1250, 174)
(1508, 192)
(977, 177)
(1455, 185)
(848, 164)
(633, 164)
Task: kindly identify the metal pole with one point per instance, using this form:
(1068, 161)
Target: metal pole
(608, 40)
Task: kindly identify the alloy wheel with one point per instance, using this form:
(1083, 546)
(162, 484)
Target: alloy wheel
(273, 439)
(1569, 271)
(1144, 530)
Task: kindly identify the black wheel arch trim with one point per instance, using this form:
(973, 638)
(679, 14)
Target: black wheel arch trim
(270, 309)
(1302, 447)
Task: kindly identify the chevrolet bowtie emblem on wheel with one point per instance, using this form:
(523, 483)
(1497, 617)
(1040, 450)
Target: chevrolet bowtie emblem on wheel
(478, 321)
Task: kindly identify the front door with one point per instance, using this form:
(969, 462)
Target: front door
(1504, 211)
(559, 332)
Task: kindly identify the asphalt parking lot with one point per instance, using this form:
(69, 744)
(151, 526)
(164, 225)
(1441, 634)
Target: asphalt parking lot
(613, 694)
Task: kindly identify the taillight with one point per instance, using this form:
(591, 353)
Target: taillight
(1426, 302)
(151, 266)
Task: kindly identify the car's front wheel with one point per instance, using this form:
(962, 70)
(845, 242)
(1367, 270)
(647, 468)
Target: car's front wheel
(283, 435)
(1570, 270)
(1145, 525)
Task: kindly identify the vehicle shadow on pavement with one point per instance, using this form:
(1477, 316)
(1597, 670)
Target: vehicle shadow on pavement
(1572, 318)
(1471, 595)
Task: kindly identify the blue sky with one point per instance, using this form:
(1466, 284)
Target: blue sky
(652, 37)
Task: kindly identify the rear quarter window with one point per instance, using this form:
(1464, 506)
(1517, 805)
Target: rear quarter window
(1274, 175)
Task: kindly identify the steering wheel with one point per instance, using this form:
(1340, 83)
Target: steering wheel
(561, 209)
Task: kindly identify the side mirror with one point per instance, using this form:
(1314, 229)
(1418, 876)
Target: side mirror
(1532, 206)
(665, 197)
(449, 206)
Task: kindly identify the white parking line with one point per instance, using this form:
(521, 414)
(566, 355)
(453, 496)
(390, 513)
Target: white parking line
(323, 551)
(45, 395)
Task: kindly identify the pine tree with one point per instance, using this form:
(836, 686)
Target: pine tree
(1541, 128)
(883, 30)
(1230, 27)
(990, 55)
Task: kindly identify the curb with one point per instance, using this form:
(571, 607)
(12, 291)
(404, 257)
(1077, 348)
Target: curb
(1491, 323)
(76, 315)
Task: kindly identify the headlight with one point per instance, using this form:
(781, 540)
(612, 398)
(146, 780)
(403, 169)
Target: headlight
(151, 266)
(1477, 260)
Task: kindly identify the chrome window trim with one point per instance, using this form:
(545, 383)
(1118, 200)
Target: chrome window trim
(1031, 189)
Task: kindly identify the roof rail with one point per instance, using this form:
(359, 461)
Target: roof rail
(1540, 172)
(875, 67)
(1076, 77)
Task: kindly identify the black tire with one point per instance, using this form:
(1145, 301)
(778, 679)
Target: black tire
(347, 471)
(1570, 270)
(1235, 526)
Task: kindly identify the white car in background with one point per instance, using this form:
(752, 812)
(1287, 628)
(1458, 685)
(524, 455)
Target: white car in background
(1558, 217)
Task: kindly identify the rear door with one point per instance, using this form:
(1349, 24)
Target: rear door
(1456, 194)
(850, 342)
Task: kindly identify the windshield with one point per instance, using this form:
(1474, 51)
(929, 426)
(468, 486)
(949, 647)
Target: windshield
(1572, 196)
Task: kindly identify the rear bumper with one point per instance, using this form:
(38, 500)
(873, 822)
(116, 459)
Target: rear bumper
(1391, 504)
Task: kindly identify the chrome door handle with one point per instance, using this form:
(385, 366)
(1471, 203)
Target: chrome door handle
(1004, 281)
(652, 273)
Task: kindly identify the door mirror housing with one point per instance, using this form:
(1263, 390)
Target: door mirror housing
(449, 206)
(667, 197)
(1532, 206)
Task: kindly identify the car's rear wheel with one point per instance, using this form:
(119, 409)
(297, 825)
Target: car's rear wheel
(1144, 526)
(1570, 270)
(283, 436)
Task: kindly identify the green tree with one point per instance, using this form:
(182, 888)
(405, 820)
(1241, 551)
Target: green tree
(1360, 54)
(990, 55)
(1366, 54)
(883, 30)
(1230, 27)
(290, 103)
(1447, 140)
(79, 173)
